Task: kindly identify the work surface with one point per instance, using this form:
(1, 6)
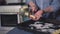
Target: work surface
(38, 27)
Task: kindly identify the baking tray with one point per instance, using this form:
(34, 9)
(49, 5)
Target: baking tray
(25, 26)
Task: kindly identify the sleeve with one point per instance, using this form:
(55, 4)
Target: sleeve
(27, 1)
(56, 5)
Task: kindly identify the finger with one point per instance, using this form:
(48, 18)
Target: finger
(33, 10)
(32, 17)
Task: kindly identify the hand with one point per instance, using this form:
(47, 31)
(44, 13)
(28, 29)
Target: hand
(38, 15)
(33, 7)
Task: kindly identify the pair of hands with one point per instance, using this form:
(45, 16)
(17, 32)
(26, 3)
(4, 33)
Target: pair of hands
(39, 13)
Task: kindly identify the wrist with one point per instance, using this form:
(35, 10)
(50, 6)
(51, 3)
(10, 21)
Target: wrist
(44, 11)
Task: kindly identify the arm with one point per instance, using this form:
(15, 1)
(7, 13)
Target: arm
(31, 4)
(53, 7)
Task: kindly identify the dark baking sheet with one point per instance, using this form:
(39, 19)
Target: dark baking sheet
(24, 26)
